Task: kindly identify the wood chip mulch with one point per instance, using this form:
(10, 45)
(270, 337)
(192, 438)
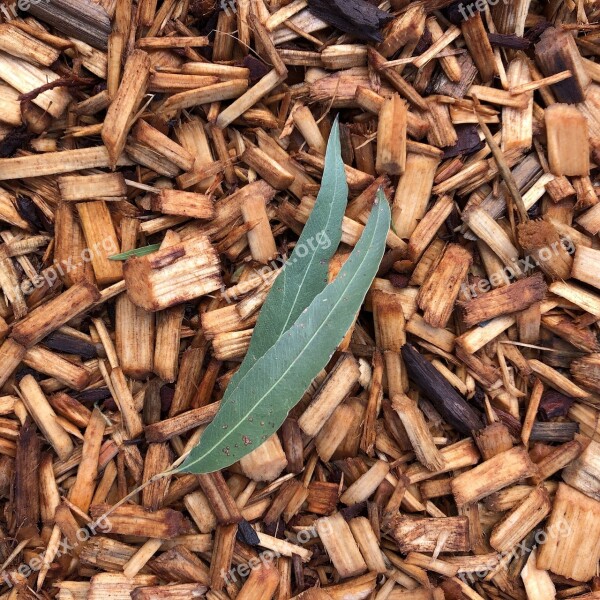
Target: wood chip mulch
(450, 448)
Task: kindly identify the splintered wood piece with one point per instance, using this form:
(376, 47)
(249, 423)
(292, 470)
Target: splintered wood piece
(445, 534)
(207, 94)
(405, 30)
(133, 566)
(441, 40)
(334, 432)
(504, 300)
(368, 543)
(85, 20)
(158, 460)
(488, 230)
(42, 413)
(337, 538)
(262, 582)
(365, 485)
(543, 242)
(8, 212)
(391, 137)
(26, 78)
(380, 64)
(9, 283)
(439, 293)
(585, 371)
(272, 172)
(26, 483)
(492, 475)
(136, 520)
(189, 379)
(557, 380)
(560, 189)
(414, 190)
(121, 110)
(172, 591)
(590, 220)
(493, 439)
(557, 459)
(54, 365)
(9, 103)
(172, 275)
(147, 135)
(175, 82)
(185, 204)
(54, 163)
(18, 43)
(169, 428)
(166, 350)
(390, 323)
(69, 245)
(572, 547)
(246, 101)
(418, 432)
(134, 327)
(55, 313)
(583, 473)
(89, 187)
(180, 564)
(83, 489)
(567, 133)
(306, 124)
(557, 51)
(336, 387)
(116, 585)
(125, 402)
(219, 498)
(11, 355)
(101, 239)
(266, 462)
(517, 122)
(520, 521)
(578, 295)
(222, 554)
(480, 49)
(260, 237)
(538, 583)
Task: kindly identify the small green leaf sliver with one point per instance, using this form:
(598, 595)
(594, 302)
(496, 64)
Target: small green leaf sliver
(136, 252)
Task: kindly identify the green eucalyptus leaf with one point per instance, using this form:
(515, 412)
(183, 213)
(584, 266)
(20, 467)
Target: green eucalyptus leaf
(305, 273)
(275, 383)
(136, 252)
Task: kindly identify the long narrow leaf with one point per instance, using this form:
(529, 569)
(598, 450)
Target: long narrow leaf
(305, 273)
(136, 252)
(276, 382)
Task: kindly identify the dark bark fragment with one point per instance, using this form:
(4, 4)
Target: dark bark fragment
(448, 402)
(357, 17)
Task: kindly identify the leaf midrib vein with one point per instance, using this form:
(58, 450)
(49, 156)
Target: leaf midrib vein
(312, 259)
